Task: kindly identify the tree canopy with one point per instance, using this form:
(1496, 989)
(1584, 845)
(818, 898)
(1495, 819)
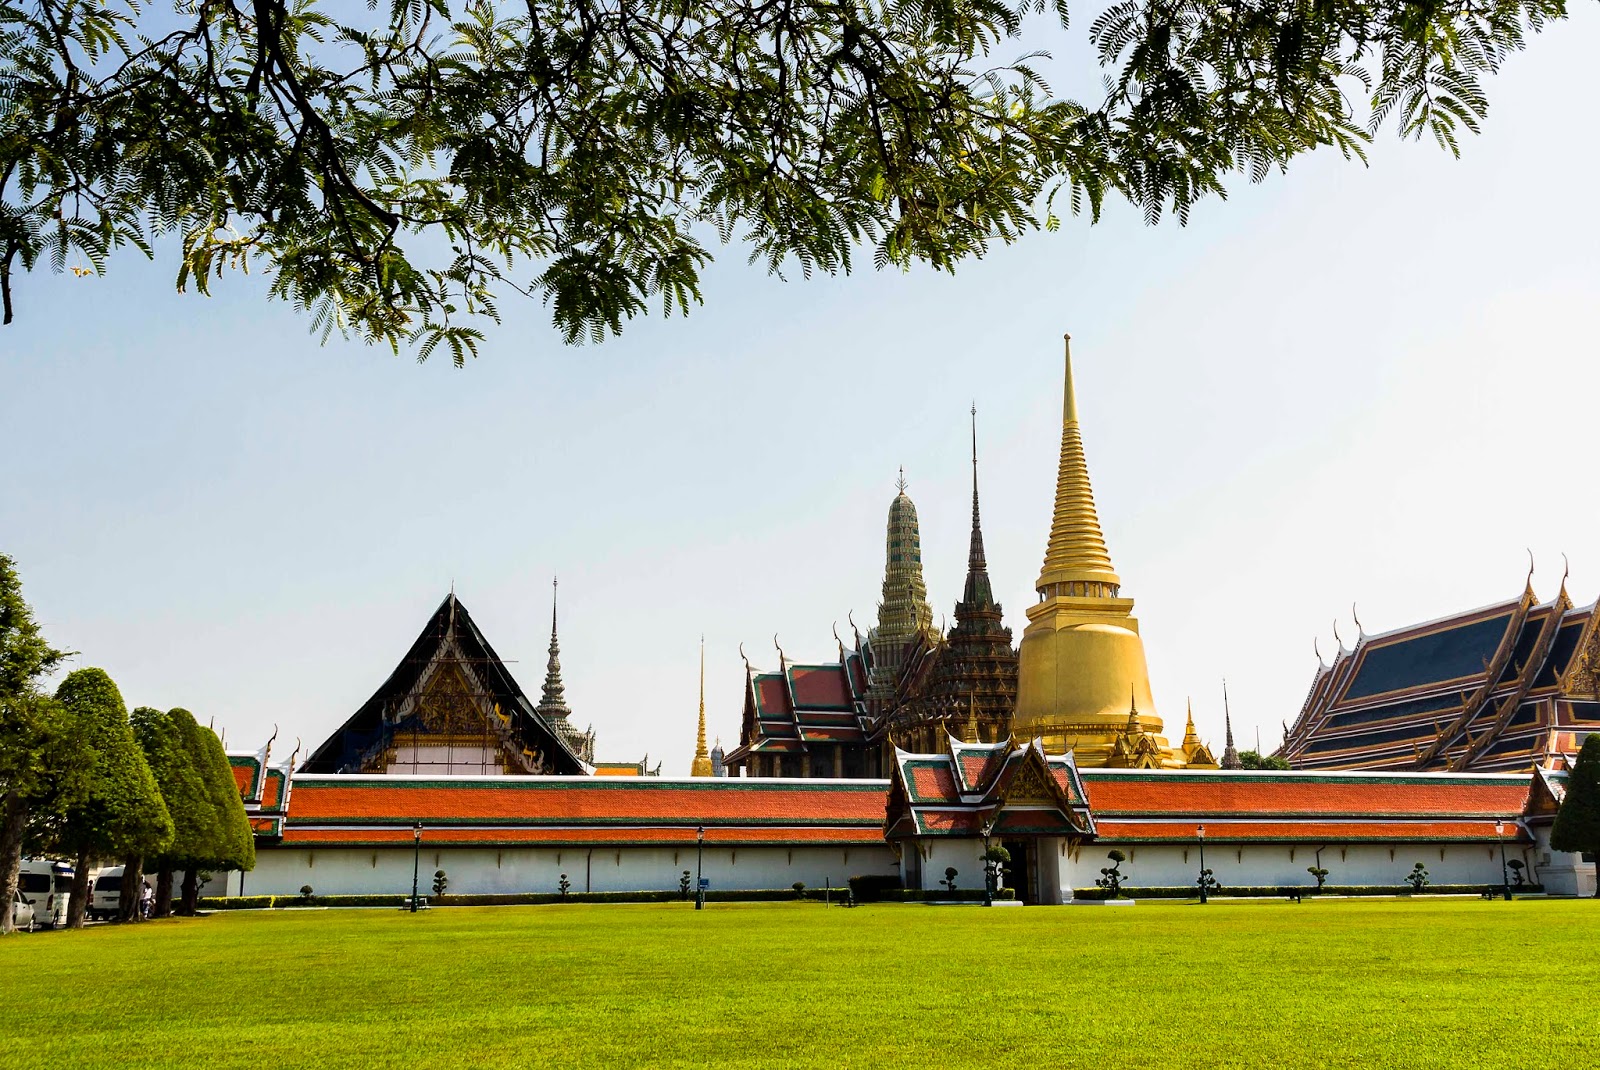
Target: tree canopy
(235, 844)
(196, 824)
(1249, 759)
(1577, 824)
(122, 813)
(396, 170)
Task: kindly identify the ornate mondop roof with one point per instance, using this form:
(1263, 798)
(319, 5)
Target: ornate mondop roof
(1230, 753)
(801, 706)
(996, 789)
(450, 649)
(1077, 549)
(553, 700)
(1504, 687)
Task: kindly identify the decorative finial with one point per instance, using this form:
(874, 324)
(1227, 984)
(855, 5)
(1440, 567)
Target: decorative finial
(900, 484)
(1336, 635)
(1360, 631)
(1318, 651)
(1069, 400)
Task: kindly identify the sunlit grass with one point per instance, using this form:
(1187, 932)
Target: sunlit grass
(1425, 983)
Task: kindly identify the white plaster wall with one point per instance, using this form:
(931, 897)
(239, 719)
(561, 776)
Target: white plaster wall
(1561, 872)
(966, 855)
(1168, 866)
(479, 871)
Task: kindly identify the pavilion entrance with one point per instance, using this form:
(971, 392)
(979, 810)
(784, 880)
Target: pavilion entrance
(1023, 869)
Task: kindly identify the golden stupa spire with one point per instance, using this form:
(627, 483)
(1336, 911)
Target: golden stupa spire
(702, 758)
(1076, 562)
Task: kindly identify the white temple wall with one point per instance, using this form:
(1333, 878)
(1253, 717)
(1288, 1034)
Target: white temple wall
(1277, 865)
(1561, 872)
(487, 870)
(965, 855)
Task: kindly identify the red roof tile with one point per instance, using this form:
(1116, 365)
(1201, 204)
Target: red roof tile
(773, 696)
(819, 687)
(1291, 794)
(684, 836)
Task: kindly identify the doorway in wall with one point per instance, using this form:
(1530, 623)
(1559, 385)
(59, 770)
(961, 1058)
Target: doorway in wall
(1021, 870)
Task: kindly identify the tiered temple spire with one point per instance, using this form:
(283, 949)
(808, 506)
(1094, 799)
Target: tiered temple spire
(1076, 555)
(904, 614)
(1230, 753)
(553, 700)
(702, 758)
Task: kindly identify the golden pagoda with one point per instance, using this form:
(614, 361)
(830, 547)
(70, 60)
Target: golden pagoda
(701, 766)
(1082, 679)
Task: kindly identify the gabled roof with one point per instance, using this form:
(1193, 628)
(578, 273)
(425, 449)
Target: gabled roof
(800, 705)
(450, 636)
(987, 789)
(1483, 690)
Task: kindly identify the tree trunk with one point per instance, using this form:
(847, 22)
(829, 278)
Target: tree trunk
(163, 904)
(13, 820)
(191, 892)
(132, 886)
(78, 905)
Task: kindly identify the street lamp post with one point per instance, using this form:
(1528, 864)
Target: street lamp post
(699, 868)
(988, 870)
(416, 863)
(1200, 834)
(1500, 834)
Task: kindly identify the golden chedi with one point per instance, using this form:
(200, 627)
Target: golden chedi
(1082, 680)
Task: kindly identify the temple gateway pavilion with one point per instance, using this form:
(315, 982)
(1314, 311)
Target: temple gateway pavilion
(914, 748)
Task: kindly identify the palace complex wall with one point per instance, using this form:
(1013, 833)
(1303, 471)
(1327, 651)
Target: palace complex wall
(918, 748)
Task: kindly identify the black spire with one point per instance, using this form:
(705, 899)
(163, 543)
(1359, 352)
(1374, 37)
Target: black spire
(977, 591)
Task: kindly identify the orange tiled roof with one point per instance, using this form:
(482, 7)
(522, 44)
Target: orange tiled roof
(1324, 795)
(568, 801)
(620, 836)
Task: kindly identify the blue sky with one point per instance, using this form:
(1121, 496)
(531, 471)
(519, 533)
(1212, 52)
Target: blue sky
(1370, 385)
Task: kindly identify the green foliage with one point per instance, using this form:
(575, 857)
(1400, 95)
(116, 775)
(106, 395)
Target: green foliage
(440, 882)
(234, 845)
(871, 887)
(1577, 824)
(683, 884)
(1320, 874)
(949, 881)
(395, 169)
(197, 828)
(1250, 759)
(1110, 879)
(1207, 883)
(1516, 866)
(306, 891)
(565, 885)
(1418, 877)
(25, 657)
(122, 813)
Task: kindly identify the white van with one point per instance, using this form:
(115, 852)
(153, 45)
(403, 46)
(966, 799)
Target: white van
(105, 893)
(47, 886)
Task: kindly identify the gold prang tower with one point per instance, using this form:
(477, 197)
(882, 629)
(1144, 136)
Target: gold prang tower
(1082, 681)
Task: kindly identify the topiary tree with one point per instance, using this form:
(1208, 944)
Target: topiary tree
(196, 826)
(799, 888)
(306, 891)
(231, 844)
(440, 882)
(1418, 877)
(949, 881)
(122, 814)
(1516, 867)
(995, 859)
(1577, 825)
(1320, 874)
(683, 885)
(44, 764)
(1111, 876)
(564, 885)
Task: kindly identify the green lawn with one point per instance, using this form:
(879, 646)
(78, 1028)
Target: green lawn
(1425, 983)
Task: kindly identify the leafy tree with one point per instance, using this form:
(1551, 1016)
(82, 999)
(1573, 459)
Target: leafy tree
(440, 882)
(949, 881)
(1321, 875)
(1516, 866)
(1249, 759)
(565, 885)
(43, 765)
(394, 171)
(122, 814)
(1577, 824)
(235, 844)
(683, 885)
(197, 827)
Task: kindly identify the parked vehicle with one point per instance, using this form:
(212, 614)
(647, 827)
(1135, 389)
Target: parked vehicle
(105, 893)
(47, 886)
(22, 913)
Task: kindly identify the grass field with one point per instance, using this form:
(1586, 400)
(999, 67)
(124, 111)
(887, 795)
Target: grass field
(1379, 983)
